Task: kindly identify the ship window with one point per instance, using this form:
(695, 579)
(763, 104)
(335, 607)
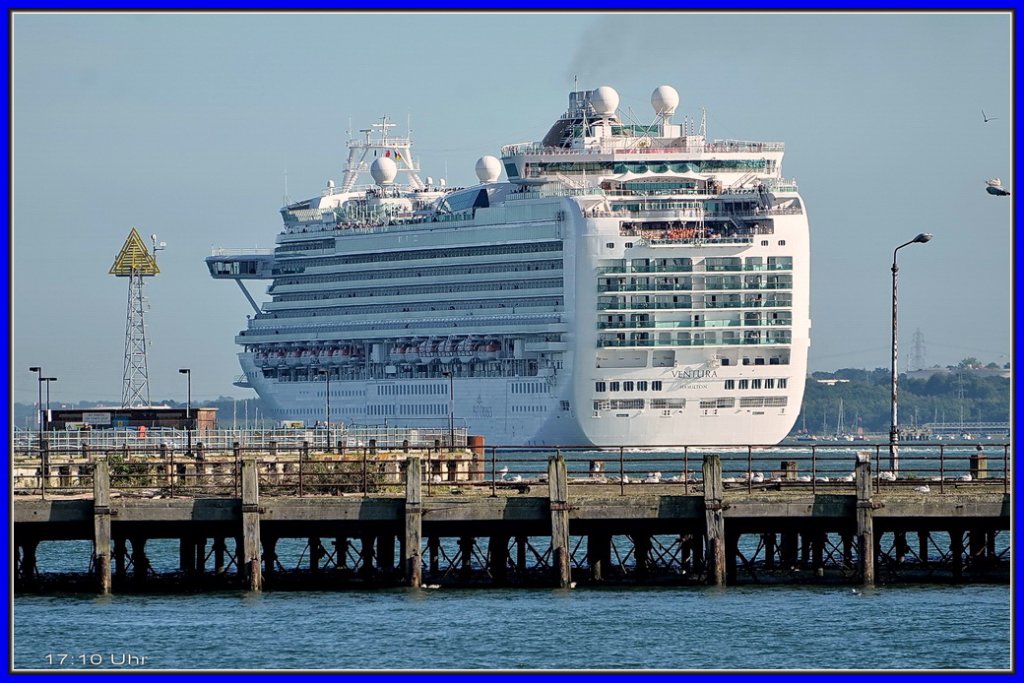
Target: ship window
(730, 384)
(755, 384)
(769, 384)
(764, 243)
(629, 245)
(600, 387)
(614, 386)
(641, 386)
(656, 385)
(744, 384)
(782, 383)
(610, 245)
(782, 243)
(627, 386)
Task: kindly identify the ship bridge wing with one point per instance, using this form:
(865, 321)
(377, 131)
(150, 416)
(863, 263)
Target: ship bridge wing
(250, 264)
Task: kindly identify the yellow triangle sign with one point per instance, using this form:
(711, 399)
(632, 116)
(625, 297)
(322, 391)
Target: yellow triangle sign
(134, 257)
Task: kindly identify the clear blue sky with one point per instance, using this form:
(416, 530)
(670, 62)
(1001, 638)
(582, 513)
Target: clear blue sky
(185, 125)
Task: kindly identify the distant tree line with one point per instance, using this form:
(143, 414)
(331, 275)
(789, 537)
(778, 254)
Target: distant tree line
(949, 395)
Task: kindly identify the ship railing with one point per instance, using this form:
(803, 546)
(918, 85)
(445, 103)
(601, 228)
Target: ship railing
(919, 468)
(255, 251)
(645, 343)
(626, 146)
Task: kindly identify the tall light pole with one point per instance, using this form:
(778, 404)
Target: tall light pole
(188, 408)
(894, 433)
(327, 374)
(451, 409)
(46, 414)
(39, 413)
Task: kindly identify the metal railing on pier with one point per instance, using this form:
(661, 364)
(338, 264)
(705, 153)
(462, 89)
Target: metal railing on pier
(377, 467)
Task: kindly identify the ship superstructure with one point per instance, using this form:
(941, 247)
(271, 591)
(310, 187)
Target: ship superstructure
(627, 284)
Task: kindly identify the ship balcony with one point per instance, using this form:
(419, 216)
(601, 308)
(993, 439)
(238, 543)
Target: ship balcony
(647, 343)
(667, 324)
(623, 270)
(545, 347)
(644, 306)
(645, 288)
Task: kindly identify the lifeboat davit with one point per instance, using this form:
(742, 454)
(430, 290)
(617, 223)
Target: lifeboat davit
(412, 352)
(448, 350)
(466, 348)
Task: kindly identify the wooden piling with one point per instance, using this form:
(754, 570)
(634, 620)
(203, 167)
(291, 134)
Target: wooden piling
(219, 546)
(977, 544)
(732, 552)
(101, 524)
(466, 557)
(558, 493)
(865, 519)
(497, 551)
(315, 553)
(599, 554)
(642, 553)
(412, 560)
(120, 557)
(433, 550)
(140, 563)
(956, 549)
(28, 559)
(366, 553)
(714, 520)
(386, 553)
(249, 562)
(521, 555)
(187, 555)
(200, 555)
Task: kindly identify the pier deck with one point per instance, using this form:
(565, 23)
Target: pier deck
(549, 528)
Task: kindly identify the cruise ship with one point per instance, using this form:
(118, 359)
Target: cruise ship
(628, 283)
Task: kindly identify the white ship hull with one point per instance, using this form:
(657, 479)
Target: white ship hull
(616, 292)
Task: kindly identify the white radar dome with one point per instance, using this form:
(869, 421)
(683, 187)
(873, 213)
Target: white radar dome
(605, 101)
(488, 169)
(383, 170)
(665, 99)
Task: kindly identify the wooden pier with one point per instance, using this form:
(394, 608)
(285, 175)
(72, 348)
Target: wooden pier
(550, 527)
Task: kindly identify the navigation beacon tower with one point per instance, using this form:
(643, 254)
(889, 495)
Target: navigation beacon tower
(135, 262)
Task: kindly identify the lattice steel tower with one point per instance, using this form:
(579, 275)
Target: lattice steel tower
(135, 263)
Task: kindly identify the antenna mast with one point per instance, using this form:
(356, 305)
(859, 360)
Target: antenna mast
(135, 262)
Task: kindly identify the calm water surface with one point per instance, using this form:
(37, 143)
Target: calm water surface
(916, 627)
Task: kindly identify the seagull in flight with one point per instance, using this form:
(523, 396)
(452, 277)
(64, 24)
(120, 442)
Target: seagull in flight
(986, 117)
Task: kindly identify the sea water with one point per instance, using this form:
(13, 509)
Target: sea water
(733, 628)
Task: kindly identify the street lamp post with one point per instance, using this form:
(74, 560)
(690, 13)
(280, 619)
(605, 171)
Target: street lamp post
(188, 409)
(327, 374)
(451, 410)
(46, 415)
(894, 434)
(39, 380)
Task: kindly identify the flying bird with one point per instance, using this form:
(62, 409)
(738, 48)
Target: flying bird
(987, 118)
(995, 187)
